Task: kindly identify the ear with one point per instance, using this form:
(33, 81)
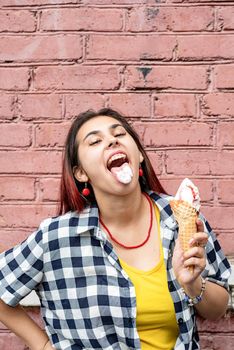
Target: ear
(80, 174)
(141, 158)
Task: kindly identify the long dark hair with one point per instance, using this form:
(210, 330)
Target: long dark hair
(70, 189)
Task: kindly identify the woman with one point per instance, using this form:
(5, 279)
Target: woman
(109, 270)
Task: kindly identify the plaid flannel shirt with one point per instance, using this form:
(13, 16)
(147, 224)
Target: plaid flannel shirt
(87, 299)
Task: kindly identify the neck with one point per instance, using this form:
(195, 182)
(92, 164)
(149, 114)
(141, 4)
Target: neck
(121, 209)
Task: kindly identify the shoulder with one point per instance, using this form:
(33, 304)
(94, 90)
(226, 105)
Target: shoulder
(162, 201)
(57, 222)
(70, 223)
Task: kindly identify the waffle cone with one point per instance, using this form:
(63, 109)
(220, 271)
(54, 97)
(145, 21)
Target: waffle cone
(186, 217)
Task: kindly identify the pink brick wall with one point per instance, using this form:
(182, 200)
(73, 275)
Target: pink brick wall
(166, 64)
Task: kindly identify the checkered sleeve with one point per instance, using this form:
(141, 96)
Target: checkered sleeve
(21, 269)
(217, 269)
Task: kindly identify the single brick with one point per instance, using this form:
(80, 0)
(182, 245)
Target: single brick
(81, 102)
(49, 189)
(219, 217)
(30, 162)
(51, 135)
(226, 134)
(17, 21)
(218, 104)
(14, 78)
(205, 47)
(40, 47)
(167, 77)
(225, 189)
(85, 19)
(174, 105)
(180, 162)
(177, 134)
(7, 107)
(17, 188)
(156, 159)
(40, 106)
(224, 76)
(130, 47)
(147, 19)
(200, 162)
(77, 78)
(226, 17)
(15, 135)
(131, 105)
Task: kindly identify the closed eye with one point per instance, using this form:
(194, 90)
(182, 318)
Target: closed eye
(120, 134)
(94, 142)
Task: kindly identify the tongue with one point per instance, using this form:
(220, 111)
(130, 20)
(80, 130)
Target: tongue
(123, 173)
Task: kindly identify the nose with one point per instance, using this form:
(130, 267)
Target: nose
(112, 142)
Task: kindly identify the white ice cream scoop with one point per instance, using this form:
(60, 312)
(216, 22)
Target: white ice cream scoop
(123, 173)
(189, 192)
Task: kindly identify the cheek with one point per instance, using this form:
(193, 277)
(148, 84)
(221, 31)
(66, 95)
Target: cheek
(137, 153)
(90, 162)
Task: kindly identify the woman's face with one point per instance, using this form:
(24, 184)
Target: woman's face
(99, 139)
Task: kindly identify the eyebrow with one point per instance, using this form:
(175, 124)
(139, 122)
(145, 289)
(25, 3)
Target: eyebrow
(94, 132)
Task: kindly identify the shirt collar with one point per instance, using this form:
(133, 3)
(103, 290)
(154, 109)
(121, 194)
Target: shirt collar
(163, 203)
(88, 219)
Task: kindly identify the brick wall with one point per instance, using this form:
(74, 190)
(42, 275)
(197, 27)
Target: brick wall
(168, 65)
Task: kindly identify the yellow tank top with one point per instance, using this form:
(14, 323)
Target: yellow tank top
(156, 321)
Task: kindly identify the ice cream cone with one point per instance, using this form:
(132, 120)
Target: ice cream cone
(186, 216)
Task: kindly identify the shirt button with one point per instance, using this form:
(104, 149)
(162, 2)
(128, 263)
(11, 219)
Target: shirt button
(180, 320)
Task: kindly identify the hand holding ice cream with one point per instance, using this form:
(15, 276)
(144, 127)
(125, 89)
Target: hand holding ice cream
(185, 207)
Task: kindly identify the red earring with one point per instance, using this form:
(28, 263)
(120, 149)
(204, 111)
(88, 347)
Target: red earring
(86, 191)
(141, 173)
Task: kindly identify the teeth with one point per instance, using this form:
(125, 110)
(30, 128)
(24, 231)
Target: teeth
(116, 156)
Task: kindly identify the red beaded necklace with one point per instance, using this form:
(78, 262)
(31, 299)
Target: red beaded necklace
(149, 230)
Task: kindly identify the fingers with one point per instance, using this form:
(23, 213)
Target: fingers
(198, 264)
(200, 225)
(199, 239)
(195, 256)
(198, 252)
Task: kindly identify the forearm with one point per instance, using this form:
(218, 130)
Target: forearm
(214, 299)
(17, 320)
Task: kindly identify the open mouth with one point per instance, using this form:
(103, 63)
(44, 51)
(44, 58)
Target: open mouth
(117, 160)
